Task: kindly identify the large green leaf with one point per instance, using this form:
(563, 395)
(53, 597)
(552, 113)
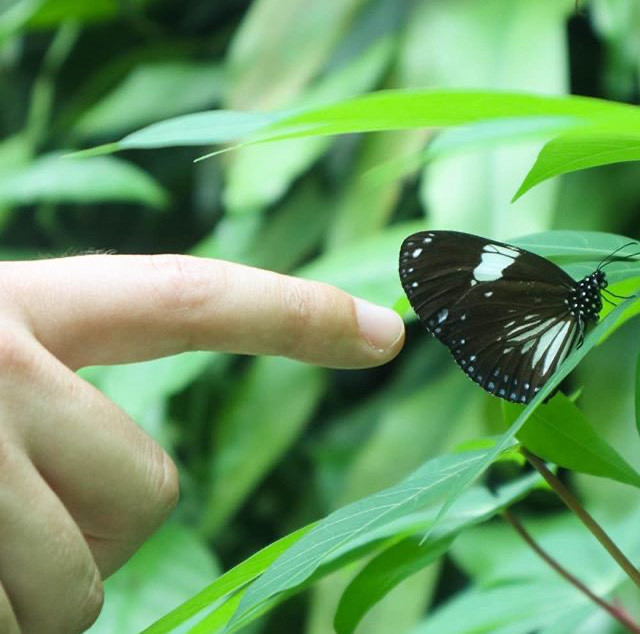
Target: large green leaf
(561, 434)
(475, 506)
(383, 514)
(383, 110)
(398, 109)
(55, 179)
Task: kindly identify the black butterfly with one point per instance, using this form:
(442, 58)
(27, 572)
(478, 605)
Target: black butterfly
(508, 316)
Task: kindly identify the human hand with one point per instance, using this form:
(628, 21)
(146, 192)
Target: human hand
(81, 486)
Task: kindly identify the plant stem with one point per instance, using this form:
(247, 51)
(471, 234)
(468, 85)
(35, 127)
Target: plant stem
(574, 505)
(614, 611)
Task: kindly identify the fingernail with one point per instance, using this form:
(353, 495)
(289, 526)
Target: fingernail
(381, 327)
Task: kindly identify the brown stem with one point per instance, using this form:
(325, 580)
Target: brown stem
(572, 502)
(618, 614)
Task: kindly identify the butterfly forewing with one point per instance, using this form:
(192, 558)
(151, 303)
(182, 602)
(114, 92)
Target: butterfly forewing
(503, 312)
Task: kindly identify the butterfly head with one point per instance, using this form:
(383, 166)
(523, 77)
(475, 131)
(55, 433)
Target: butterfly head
(599, 278)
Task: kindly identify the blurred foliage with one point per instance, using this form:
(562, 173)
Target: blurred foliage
(265, 446)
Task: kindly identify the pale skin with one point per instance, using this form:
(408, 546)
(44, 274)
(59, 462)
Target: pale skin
(81, 486)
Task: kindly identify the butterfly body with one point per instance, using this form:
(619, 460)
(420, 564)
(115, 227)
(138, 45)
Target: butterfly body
(508, 316)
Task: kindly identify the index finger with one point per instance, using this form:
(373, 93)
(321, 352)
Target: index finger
(104, 309)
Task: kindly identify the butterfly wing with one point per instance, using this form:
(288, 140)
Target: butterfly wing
(502, 311)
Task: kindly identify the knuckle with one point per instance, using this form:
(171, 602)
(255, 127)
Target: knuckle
(301, 308)
(182, 283)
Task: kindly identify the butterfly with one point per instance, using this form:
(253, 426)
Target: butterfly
(508, 316)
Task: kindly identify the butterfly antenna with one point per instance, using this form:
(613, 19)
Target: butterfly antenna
(606, 299)
(606, 290)
(607, 259)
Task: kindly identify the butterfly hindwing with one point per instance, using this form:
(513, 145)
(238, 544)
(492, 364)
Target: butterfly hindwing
(501, 311)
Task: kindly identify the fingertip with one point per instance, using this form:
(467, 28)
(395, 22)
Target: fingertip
(382, 329)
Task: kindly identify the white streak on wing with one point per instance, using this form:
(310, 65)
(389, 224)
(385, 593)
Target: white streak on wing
(524, 327)
(567, 344)
(532, 331)
(554, 348)
(527, 346)
(492, 264)
(545, 341)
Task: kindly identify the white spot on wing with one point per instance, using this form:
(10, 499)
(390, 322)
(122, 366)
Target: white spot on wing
(442, 315)
(494, 260)
(416, 253)
(426, 240)
(488, 294)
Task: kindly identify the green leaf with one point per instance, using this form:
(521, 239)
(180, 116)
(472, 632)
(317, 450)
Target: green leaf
(398, 109)
(199, 128)
(572, 245)
(382, 574)
(560, 433)
(382, 110)
(429, 484)
(169, 568)
(410, 555)
(516, 608)
(254, 429)
(580, 252)
(152, 92)
(229, 582)
(476, 505)
(580, 149)
(56, 179)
